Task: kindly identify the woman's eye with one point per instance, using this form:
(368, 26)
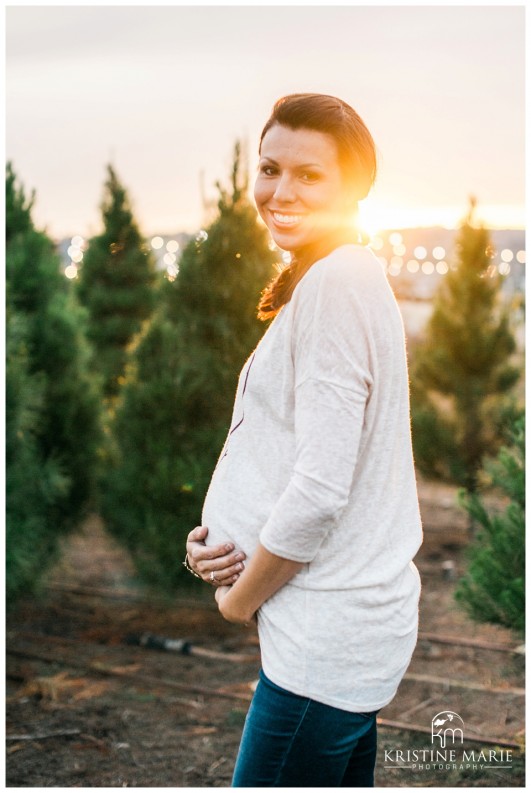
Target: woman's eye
(309, 176)
(268, 170)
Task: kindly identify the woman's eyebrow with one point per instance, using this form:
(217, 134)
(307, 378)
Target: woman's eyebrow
(302, 165)
(311, 165)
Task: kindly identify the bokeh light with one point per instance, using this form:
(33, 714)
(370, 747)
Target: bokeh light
(156, 243)
(506, 255)
(504, 268)
(395, 238)
(71, 271)
(172, 246)
(420, 252)
(520, 257)
(171, 271)
(428, 268)
(413, 266)
(439, 252)
(441, 267)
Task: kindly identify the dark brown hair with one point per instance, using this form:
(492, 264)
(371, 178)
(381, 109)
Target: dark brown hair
(357, 160)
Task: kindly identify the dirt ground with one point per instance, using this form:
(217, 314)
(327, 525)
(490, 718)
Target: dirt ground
(89, 706)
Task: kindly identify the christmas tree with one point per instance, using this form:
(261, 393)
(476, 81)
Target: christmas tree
(493, 589)
(176, 405)
(116, 284)
(52, 407)
(462, 374)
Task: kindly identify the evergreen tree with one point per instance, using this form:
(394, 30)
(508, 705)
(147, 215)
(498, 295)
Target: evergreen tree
(176, 405)
(34, 485)
(53, 420)
(461, 372)
(493, 589)
(116, 284)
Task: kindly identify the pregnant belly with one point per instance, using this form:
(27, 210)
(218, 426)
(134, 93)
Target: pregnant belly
(235, 512)
(222, 529)
(213, 520)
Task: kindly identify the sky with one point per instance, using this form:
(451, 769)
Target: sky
(164, 92)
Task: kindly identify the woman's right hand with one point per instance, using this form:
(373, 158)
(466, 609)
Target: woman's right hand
(219, 565)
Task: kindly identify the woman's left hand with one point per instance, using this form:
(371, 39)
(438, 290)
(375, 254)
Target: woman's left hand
(217, 565)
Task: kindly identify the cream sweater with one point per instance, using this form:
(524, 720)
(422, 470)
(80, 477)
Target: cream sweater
(318, 467)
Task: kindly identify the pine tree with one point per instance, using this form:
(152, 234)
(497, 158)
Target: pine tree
(116, 284)
(53, 418)
(461, 373)
(35, 485)
(176, 405)
(493, 589)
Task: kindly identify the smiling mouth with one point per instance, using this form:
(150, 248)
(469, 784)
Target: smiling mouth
(286, 220)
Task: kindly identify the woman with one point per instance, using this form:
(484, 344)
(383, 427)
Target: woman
(315, 485)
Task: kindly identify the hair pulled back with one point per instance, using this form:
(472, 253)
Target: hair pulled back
(357, 160)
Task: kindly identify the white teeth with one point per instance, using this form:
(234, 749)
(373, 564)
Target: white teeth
(290, 220)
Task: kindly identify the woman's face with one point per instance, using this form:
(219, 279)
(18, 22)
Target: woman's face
(299, 190)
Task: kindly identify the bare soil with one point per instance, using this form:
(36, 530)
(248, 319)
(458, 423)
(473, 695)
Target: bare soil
(88, 708)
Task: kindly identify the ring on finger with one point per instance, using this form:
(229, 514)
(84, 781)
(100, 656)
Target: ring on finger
(212, 577)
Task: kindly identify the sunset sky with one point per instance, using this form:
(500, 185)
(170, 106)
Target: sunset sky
(164, 92)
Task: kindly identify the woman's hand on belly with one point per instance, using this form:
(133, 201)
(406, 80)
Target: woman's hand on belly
(219, 565)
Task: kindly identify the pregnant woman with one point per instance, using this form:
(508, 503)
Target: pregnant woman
(315, 487)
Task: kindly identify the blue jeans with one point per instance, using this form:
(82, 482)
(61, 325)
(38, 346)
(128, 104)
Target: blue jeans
(293, 741)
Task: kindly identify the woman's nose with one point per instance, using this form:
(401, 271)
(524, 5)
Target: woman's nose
(285, 189)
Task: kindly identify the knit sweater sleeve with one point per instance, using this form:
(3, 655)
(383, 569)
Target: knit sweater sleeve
(331, 356)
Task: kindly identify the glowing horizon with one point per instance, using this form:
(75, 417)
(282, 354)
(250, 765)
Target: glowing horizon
(377, 216)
